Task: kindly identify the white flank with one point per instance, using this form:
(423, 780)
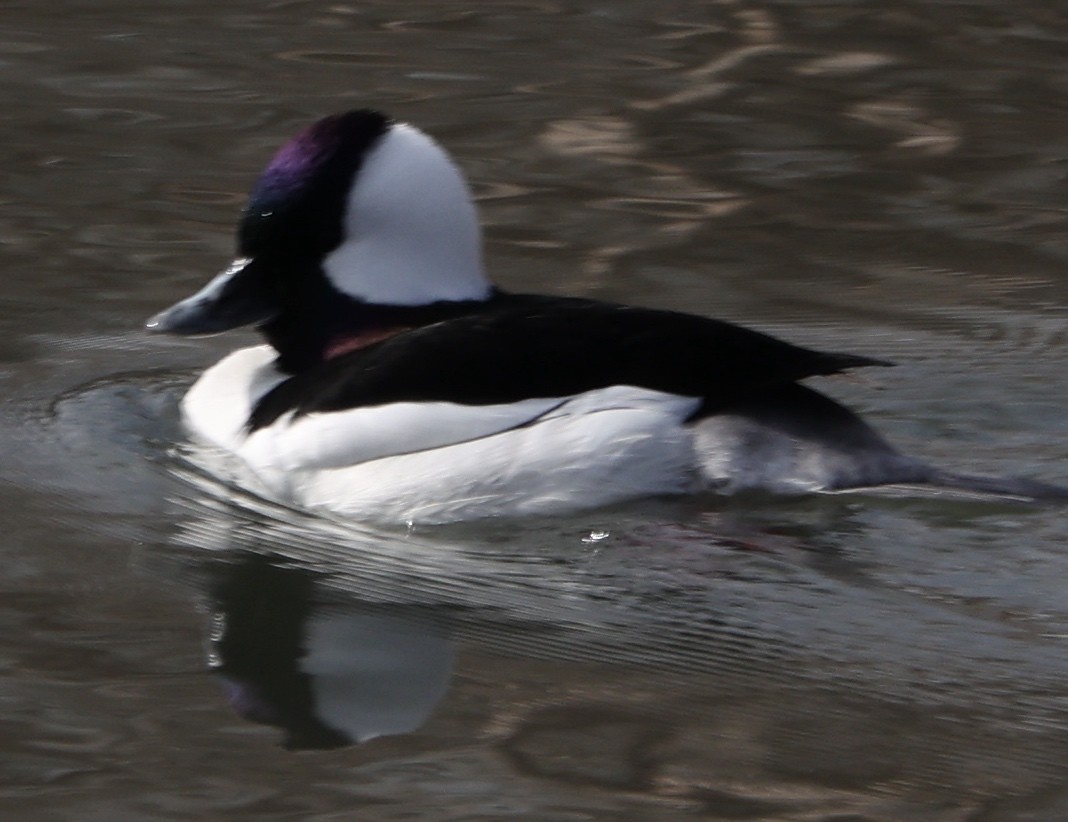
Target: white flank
(336, 439)
(599, 448)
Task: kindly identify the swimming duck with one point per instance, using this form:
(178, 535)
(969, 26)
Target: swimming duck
(397, 383)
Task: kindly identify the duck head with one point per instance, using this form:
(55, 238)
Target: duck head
(355, 221)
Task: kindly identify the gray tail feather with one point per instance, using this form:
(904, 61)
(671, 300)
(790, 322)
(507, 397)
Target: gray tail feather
(925, 481)
(1018, 488)
(792, 431)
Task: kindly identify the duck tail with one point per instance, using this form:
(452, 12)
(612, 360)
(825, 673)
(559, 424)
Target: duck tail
(1015, 488)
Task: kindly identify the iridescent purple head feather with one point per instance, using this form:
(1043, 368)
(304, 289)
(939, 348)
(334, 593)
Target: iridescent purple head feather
(296, 162)
(297, 204)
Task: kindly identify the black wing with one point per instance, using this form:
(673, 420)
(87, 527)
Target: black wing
(521, 347)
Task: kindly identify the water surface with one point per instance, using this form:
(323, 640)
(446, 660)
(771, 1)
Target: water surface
(888, 180)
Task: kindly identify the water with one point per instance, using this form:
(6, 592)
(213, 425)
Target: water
(888, 180)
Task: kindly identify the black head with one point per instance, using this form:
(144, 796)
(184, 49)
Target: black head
(297, 206)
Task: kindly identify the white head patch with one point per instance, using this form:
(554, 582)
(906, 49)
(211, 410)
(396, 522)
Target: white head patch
(412, 235)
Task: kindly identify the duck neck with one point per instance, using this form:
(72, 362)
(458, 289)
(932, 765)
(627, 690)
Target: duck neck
(306, 338)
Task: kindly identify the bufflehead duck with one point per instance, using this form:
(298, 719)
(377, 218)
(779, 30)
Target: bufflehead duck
(397, 383)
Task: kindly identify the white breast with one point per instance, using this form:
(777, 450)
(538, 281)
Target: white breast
(218, 405)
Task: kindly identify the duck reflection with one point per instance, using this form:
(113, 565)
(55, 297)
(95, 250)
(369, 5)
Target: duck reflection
(688, 655)
(326, 671)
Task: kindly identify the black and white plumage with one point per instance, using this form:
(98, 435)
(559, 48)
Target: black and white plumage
(399, 384)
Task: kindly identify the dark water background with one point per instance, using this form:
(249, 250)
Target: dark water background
(887, 178)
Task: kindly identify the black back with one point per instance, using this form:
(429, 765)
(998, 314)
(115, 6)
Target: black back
(518, 347)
